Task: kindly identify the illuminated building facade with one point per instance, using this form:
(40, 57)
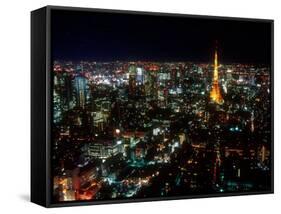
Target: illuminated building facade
(81, 91)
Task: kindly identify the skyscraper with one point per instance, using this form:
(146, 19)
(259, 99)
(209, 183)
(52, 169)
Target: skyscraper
(81, 90)
(132, 80)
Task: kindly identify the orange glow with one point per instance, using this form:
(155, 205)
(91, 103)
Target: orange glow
(215, 94)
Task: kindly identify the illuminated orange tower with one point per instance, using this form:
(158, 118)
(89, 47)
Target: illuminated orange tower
(215, 94)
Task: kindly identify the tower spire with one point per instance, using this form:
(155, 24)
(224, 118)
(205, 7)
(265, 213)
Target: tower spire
(216, 75)
(215, 94)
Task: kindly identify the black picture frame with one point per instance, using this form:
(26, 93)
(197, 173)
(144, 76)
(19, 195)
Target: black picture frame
(41, 111)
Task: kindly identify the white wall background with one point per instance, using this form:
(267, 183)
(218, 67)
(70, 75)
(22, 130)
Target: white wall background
(15, 105)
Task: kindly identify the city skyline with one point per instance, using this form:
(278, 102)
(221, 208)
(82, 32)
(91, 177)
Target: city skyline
(106, 130)
(134, 128)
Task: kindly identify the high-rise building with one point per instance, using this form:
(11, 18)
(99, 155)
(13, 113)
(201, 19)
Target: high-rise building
(69, 104)
(62, 95)
(132, 80)
(81, 90)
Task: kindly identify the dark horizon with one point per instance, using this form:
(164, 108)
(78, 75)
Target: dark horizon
(104, 37)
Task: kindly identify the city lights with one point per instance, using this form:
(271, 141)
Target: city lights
(172, 137)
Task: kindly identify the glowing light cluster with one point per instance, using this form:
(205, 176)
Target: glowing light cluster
(215, 94)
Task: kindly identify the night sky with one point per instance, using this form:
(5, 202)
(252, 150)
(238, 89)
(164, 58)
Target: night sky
(128, 37)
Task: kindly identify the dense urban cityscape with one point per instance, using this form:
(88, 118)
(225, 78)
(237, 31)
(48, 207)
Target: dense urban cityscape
(145, 129)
